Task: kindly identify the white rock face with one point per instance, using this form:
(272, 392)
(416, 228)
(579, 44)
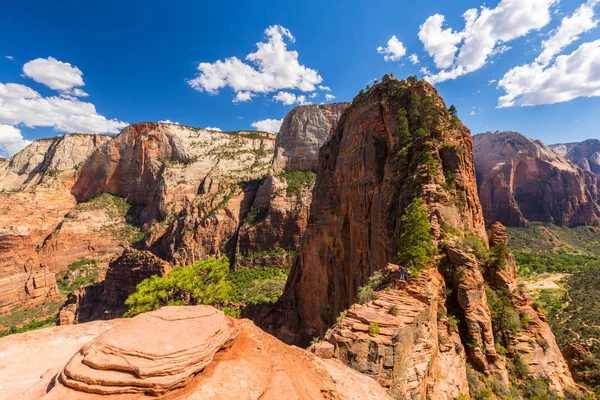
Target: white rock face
(51, 157)
(303, 131)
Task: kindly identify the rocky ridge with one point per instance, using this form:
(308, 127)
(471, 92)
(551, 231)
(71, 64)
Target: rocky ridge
(224, 359)
(586, 154)
(521, 180)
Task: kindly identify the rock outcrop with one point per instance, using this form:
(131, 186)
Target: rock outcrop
(283, 200)
(522, 180)
(34, 198)
(586, 154)
(397, 145)
(224, 359)
(106, 299)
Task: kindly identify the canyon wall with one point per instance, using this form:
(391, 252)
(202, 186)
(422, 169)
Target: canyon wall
(522, 180)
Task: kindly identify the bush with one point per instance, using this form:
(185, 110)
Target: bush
(81, 273)
(374, 329)
(452, 323)
(415, 243)
(393, 310)
(298, 181)
(367, 292)
(205, 282)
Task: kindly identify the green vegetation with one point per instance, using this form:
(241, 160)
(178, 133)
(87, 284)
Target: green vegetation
(505, 320)
(255, 215)
(297, 181)
(53, 172)
(257, 285)
(209, 282)
(367, 292)
(21, 319)
(374, 329)
(393, 310)
(452, 110)
(79, 274)
(174, 162)
(539, 263)
(276, 252)
(124, 224)
(415, 243)
(205, 282)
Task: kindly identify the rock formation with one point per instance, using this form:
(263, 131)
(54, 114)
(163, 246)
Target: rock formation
(522, 180)
(34, 198)
(586, 154)
(396, 143)
(224, 359)
(283, 200)
(106, 299)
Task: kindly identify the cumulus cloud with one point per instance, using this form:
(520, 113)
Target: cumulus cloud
(329, 97)
(414, 59)
(394, 50)
(549, 80)
(242, 97)
(212, 128)
(272, 67)
(19, 104)
(325, 88)
(571, 76)
(268, 125)
(569, 30)
(484, 36)
(55, 74)
(287, 99)
(168, 121)
(313, 95)
(11, 141)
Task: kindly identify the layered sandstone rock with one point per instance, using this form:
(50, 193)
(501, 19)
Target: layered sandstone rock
(586, 154)
(34, 198)
(283, 200)
(106, 300)
(223, 359)
(414, 354)
(523, 180)
(535, 342)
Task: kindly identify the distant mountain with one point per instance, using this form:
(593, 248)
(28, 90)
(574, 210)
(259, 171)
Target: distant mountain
(586, 154)
(521, 180)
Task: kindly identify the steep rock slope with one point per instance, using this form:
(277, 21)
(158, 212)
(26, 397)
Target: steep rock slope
(224, 359)
(280, 208)
(34, 198)
(586, 154)
(191, 187)
(395, 146)
(523, 180)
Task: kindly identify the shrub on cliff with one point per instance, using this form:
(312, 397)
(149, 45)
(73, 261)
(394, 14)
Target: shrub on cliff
(203, 283)
(415, 243)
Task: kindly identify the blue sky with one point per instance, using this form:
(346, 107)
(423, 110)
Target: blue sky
(136, 60)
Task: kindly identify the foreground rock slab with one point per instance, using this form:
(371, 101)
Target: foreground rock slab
(179, 353)
(29, 360)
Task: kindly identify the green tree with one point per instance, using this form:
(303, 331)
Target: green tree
(205, 282)
(403, 132)
(416, 241)
(453, 110)
(414, 109)
(412, 79)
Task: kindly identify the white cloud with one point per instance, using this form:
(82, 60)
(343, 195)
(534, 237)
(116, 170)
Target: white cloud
(11, 58)
(55, 74)
(491, 81)
(242, 97)
(425, 71)
(168, 121)
(571, 76)
(485, 35)
(272, 67)
(394, 50)
(212, 128)
(441, 44)
(313, 95)
(414, 59)
(287, 99)
(268, 125)
(329, 97)
(11, 141)
(569, 30)
(19, 104)
(325, 88)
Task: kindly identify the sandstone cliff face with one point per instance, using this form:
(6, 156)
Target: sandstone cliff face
(224, 359)
(283, 200)
(106, 299)
(523, 180)
(586, 154)
(367, 177)
(34, 198)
